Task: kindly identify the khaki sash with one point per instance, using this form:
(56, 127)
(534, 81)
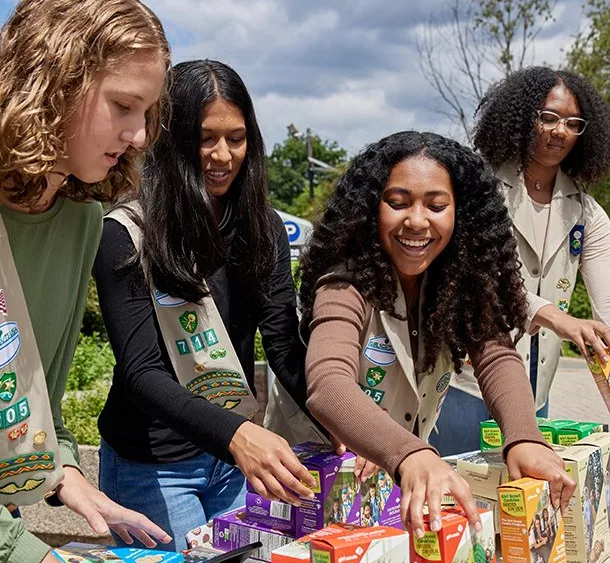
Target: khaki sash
(29, 453)
(197, 342)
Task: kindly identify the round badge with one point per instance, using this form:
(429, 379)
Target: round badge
(40, 437)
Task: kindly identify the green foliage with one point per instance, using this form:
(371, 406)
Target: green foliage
(312, 208)
(580, 307)
(511, 25)
(80, 411)
(259, 351)
(287, 167)
(93, 361)
(590, 52)
(92, 320)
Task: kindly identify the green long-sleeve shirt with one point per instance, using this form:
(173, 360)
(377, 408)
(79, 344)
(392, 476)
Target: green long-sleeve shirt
(54, 253)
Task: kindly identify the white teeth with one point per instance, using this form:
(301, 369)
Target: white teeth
(217, 174)
(414, 243)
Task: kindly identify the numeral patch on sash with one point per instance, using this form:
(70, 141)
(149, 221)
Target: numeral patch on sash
(15, 413)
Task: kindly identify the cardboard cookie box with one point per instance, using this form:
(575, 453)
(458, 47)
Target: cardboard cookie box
(337, 491)
(232, 531)
(456, 541)
(380, 501)
(278, 515)
(380, 544)
(299, 551)
(532, 531)
(587, 520)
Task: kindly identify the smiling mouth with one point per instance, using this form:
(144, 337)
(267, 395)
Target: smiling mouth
(415, 245)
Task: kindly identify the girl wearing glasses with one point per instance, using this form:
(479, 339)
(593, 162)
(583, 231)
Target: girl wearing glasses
(547, 134)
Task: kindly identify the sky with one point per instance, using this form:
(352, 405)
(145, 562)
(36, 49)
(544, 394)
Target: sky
(348, 69)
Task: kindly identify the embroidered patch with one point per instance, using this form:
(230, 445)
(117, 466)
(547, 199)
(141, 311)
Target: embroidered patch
(188, 321)
(577, 239)
(563, 283)
(563, 305)
(15, 413)
(230, 404)
(199, 368)
(198, 344)
(379, 351)
(29, 485)
(8, 386)
(210, 337)
(374, 376)
(166, 300)
(10, 342)
(18, 432)
(212, 375)
(183, 347)
(443, 382)
(375, 394)
(36, 461)
(218, 353)
(3, 308)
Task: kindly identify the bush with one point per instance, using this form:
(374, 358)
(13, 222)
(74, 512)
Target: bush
(259, 351)
(93, 361)
(92, 320)
(81, 410)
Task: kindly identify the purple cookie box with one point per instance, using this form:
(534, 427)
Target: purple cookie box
(277, 515)
(335, 476)
(231, 531)
(387, 496)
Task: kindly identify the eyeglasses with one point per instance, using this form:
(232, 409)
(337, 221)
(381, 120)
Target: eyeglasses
(549, 120)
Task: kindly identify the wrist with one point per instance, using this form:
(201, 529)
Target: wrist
(550, 317)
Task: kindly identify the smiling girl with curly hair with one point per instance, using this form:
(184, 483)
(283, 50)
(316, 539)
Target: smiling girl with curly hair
(547, 134)
(413, 265)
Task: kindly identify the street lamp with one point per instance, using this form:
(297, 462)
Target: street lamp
(313, 164)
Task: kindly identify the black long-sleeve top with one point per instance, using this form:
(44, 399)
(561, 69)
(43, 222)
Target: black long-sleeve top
(149, 416)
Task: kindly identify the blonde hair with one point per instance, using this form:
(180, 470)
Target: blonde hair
(50, 53)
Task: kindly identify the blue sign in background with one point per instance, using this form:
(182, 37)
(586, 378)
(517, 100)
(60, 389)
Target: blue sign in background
(293, 230)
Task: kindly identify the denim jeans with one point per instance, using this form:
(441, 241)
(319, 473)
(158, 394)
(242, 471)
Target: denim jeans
(177, 496)
(457, 428)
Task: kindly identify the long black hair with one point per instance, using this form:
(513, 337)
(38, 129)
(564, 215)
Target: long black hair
(506, 125)
(182, 242)
(474, 292)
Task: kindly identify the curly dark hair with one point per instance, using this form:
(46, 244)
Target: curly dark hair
(474, 292)
(506, 125)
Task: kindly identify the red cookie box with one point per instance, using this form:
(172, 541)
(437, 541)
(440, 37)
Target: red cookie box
(456, 540)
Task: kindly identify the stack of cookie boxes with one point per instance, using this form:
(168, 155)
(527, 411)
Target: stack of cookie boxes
(339, 498)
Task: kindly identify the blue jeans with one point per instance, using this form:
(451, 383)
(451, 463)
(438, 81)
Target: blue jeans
(177, 496)
(458, 424)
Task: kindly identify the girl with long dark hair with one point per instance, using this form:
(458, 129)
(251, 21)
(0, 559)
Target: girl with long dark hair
(413, 265)
(547, 135)
(186, 273)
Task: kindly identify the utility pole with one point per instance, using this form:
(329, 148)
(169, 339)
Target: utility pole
(308, 143)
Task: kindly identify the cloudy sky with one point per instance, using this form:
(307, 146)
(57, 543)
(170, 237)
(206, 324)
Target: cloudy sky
(348, 69)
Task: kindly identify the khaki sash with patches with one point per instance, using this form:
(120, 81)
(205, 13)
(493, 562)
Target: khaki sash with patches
(197, 342)
(29, 453)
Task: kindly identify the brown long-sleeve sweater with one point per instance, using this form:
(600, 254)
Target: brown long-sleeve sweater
(336, 400)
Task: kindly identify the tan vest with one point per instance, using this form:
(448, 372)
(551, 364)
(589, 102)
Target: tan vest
(29, 454)
(386, 373)
(549, 278)
(197, 342)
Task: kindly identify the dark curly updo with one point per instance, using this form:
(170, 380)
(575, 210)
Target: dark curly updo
(474, 292)
(506, 126)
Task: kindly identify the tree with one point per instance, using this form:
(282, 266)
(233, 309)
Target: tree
(590, 57)
(590, 52)
(486, 40)
(287, 167)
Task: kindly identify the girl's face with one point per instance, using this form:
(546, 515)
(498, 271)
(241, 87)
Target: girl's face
(416, 215)
(553, 145)
(223, 145)
(112, 116)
